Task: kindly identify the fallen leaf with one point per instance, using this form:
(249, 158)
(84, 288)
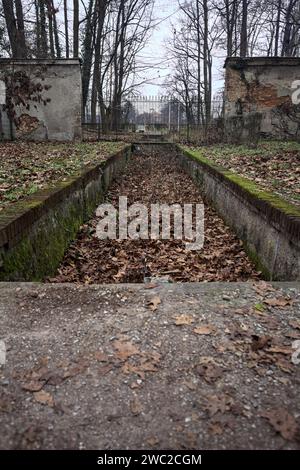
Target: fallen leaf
(280, 350)
(153, 303)
(278, 302)
(136, 407)
(34, 385)
(204, 330)
(262, 287)
(282, 421)
(125, 349)
(191, 385)
(152, 441)
(183, 320)
(209, 372)
(218, 403)
(259, 342)
(215, 428)
(55, 379)
(101, 356)
(148, 363)
(44, 398)
(295, 324)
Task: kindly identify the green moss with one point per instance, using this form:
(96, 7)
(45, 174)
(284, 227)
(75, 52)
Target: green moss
(260, 307)
(271, 198)
(259, 265)
(247, 185)
(38, 254)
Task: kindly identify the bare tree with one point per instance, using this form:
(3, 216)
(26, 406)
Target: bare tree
(75, 28)
(66, 29)
(15, 27)
(244, 29)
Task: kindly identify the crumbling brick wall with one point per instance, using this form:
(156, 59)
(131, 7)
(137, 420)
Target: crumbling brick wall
(52, 114)
(258, 98)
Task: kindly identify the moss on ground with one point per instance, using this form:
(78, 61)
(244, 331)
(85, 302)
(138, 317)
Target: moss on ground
(247, 185)
(28, 167)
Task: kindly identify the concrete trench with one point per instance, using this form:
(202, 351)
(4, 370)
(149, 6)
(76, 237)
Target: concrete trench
(154, 175)
(34, 241)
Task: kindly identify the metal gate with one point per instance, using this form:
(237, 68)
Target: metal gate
(137, 116)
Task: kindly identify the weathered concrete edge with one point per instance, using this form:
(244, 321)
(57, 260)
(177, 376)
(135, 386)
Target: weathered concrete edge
(268, 225)
(35, 231)
(169, 287)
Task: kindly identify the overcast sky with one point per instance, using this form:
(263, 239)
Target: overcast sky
(166, 12)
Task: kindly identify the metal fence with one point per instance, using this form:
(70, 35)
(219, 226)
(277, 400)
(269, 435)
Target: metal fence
(141, 116)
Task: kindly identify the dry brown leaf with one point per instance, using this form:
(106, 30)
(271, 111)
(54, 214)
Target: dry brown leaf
(136, 407)
(280, 350)
(125, 349)
(148, 363)
(154, 302)
(215, 428)
(190, 384)
(282, 421)
(34, 385)
(183, 320)
(210, 372)
(259, 342)
(152, 441)
(262, 287)
(204, 330)
(101, 356)
(44, 398)
(278, 302)
(284, 365)
(292, 334)
(295, 324)
(218, 403)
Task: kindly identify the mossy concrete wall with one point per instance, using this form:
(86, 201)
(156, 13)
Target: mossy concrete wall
(35, 232)
(268, 225)
(259, 98)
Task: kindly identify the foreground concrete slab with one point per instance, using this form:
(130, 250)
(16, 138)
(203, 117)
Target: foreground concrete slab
(206, 366)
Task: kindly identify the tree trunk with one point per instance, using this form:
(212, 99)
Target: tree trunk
(244, 32)
(277, 28)
(15, 28)
(207, 102)
(198, 64)
(44, 40)
(87, 54)
(55, 32)
(286, 43)
(50, 23)
(66, 28)
(75, 28)
(21, 29)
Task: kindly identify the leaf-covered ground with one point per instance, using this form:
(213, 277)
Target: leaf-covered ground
(273, 165)
(155, 178)
(26, 167)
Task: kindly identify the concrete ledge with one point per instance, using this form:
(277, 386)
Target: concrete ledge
(268, 225)
(35, 231)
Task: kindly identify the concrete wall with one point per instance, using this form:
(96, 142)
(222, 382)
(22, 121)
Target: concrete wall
(35, 232)
(258, 98)
(271, 234)
(60, 117)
